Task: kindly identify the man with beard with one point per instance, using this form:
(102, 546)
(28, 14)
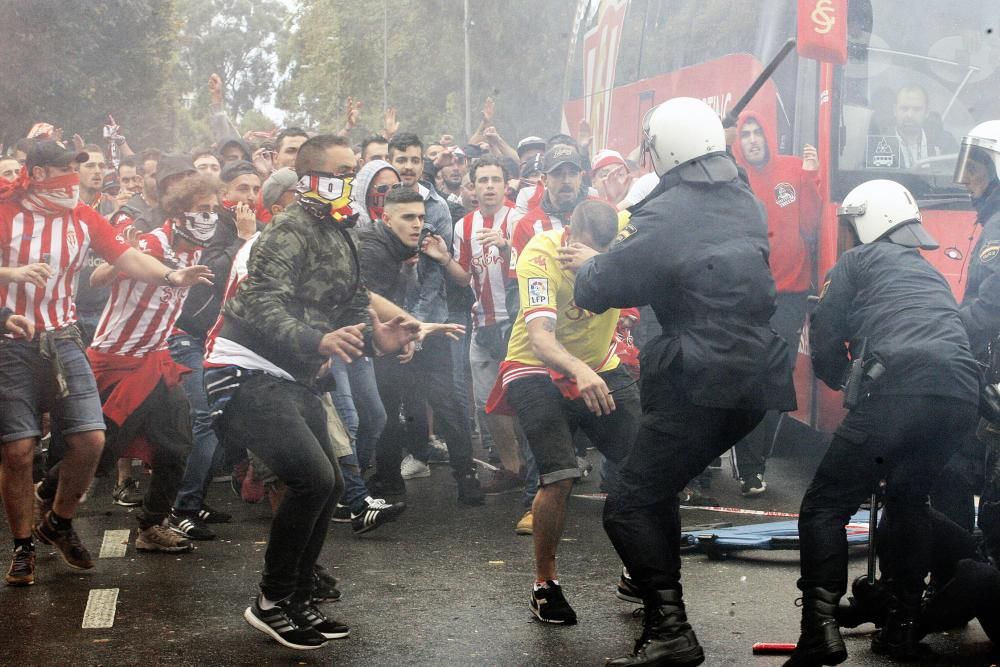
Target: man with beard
(51, 372)
(301, 302)
(789, 189)
(562, 179)
(920, 133)
(449, 176)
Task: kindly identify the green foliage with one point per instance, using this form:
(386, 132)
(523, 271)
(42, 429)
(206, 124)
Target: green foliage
(518, 53)
(235, 39)
(73, 63)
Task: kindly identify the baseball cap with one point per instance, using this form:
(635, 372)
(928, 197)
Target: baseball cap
(277, 184)
(51, 153)
(557, 156)
(606, 158)
(530, 142)
(171, 165)
(236, 169)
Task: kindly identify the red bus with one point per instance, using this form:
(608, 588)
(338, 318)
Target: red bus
(630, 55)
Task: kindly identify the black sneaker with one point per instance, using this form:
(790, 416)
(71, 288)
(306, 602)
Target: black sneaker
(278, 623)
(469, 491)
(627, 590)
(341, 514)
(375, 513)
(324, 587)
(189, 525)
(308, 615)
(209, 515)
(127, 493)
(66, 541)
(549, 606)
(22, 567)
(753, 485)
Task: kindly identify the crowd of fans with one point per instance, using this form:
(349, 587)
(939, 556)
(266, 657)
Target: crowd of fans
(141, 279)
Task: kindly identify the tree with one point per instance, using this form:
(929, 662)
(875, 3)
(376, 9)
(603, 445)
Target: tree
(518, 56)
(73, 63)
(235, 39)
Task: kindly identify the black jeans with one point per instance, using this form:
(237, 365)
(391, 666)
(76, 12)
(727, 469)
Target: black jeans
(427, 379)
(163, 419)
(165, 422)
(676, 441)
(750, 454)
(905, 440)
(285, 424)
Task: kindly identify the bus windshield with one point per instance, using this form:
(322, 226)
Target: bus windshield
(919, 76)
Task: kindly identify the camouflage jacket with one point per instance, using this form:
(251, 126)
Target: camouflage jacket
(303, 281)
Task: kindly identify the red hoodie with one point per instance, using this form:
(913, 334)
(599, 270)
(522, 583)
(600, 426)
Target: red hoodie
(791, 197)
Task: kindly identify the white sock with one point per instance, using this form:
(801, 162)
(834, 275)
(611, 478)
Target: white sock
(266, 604)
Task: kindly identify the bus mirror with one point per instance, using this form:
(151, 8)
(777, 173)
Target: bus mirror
(822, 30)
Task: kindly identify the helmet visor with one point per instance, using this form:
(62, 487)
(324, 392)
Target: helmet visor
(975, 149)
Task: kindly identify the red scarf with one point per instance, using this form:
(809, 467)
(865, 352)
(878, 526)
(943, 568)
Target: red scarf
(53, 196)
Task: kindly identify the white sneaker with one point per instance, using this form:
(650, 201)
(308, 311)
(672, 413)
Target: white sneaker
(411, 468)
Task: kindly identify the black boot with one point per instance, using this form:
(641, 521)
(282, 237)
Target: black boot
(869, 604)
(667, 639)
(901, 635)
(820, 642)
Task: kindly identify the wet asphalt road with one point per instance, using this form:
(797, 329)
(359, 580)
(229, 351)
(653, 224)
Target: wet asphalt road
(446, 585)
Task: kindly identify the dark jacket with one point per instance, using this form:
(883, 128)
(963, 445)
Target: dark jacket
(383, 267)
(891, 297)
(303, 282)
(981, 302)
(431, 301)
(697, 252)
(203, 302)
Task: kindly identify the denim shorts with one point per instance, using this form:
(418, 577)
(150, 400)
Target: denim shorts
(28, 388)
(549, 421)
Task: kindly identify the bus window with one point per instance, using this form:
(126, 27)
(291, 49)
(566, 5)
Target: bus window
(908, 96)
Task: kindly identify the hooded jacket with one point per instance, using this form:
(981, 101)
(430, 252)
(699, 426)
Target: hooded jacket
(792, 202)
(359, 192)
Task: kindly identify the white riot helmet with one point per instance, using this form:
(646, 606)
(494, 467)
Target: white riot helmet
(679, 131)
(983, 138)
(885, 209)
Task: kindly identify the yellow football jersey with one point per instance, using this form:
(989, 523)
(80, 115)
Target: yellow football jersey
(547, 291)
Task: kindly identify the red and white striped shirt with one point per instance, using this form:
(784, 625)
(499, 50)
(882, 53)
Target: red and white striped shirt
(237, 274)
(139, 316)
(488, 267)
(531, 225)
(62, 242)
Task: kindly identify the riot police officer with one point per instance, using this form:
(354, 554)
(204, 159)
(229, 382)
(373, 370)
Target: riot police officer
(696, 250)
(912, 390)
(976, 169)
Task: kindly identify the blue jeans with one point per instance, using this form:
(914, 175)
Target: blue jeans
(189, 351)
(359, 406)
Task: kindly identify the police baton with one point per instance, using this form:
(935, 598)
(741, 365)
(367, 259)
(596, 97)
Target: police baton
(730, 118)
